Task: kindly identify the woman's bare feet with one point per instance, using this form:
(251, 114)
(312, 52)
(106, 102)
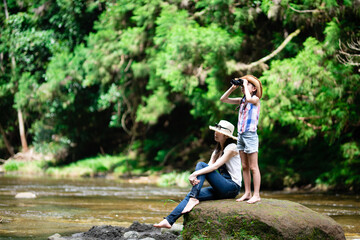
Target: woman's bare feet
(254, 199)
(244, 197)
(190, 205)
(163, 224)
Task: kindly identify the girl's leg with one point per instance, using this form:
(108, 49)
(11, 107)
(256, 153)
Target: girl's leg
(246, 176)
(254, 167)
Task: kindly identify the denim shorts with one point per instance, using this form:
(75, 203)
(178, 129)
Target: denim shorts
(248, 142)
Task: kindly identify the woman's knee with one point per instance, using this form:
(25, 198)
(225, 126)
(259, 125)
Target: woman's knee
(200, 165)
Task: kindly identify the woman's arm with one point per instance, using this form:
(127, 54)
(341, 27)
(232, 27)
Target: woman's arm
(225, 97)
(211, 162)
(221, 161)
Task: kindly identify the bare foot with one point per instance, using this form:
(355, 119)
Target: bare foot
(190, 205)
(163, 224)
(244, 197)
(254, 199)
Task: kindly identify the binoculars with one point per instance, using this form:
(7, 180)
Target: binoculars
(236, 81)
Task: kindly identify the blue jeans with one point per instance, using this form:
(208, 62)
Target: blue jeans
(221, 187)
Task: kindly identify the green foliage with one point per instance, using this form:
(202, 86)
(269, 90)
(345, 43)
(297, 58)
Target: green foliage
(311, 93)
(186, 51)
(12, 166)
(174, 179)
(156, 105)
(25, 167)
(87, 167)
(346, 171)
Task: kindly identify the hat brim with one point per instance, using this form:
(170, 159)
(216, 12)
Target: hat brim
(223, 132)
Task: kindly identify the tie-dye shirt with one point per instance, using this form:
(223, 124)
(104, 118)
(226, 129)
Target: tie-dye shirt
(248, 117)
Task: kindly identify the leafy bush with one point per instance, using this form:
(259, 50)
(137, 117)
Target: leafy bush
(174, 179)
(26, 167)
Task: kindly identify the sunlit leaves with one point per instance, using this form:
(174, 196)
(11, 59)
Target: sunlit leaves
(188, 53)
(332, 32)
(300, 89)
(156, 105)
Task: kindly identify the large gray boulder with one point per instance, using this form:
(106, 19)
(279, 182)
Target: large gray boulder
(268, 219)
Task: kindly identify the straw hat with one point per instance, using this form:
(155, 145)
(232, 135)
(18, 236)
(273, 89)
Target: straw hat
(225, 128)
(252, 79)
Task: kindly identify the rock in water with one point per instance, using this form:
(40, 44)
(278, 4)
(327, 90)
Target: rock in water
(56, 236)
(108, 232)
(25, 195)
(269, 219)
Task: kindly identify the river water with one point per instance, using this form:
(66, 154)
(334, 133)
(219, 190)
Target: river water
(69, 206)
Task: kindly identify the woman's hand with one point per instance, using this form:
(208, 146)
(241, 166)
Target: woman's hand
(193, 180)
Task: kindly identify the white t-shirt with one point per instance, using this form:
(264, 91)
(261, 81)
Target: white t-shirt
(233, 166)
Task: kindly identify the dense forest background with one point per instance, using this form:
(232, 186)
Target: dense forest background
(143, 79)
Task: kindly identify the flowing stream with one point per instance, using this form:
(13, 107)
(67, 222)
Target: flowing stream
(69, 206)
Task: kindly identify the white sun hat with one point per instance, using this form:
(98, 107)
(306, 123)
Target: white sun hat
(225, 128)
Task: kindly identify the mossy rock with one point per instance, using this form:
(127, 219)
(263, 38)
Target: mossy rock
(268, 219)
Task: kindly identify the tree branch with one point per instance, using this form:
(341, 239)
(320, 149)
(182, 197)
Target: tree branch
(303, 119)
(354, 45)
(304, 11)
(242, 66)
(128, 65)
(167, 156)
(347, 58)
(128, 110)
(1, 62)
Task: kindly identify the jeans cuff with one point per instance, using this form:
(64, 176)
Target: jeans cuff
(171, 223)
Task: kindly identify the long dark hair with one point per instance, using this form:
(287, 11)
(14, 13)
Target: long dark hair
(218, 151)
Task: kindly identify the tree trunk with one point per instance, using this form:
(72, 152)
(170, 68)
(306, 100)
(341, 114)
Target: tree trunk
(22, 131)
(6, 10)
(20, 116)
(7, 144)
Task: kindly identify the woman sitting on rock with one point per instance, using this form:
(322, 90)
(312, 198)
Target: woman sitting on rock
(224, 183)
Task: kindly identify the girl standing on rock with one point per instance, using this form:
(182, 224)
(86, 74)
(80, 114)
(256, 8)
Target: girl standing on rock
(248, 142)
(224, 183)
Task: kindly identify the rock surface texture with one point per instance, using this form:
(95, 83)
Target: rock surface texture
(268, 219)
(134, 232)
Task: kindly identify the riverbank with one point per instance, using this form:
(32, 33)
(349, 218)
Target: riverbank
(103, 166)
(121, 167)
